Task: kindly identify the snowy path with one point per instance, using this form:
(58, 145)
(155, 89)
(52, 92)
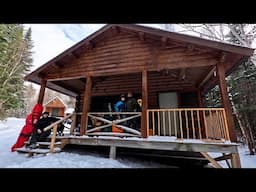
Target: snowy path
(10, 129)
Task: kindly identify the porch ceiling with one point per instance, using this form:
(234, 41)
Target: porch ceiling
(163, 80)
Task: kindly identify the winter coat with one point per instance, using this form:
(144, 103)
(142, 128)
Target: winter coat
(132, 105)
(119, 106)
(28, 128)
(44, 122)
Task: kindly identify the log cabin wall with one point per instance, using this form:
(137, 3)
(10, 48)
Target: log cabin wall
(115, 65)
(127, 53)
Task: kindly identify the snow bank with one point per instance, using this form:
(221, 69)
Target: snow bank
(247, 161)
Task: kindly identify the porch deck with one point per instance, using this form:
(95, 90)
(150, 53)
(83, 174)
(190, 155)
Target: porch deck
(201, 130)
(227, 149)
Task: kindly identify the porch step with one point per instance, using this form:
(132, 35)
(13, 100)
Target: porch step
(31, 152)
(48, 143)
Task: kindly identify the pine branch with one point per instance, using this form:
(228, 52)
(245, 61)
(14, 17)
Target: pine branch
(16, 66)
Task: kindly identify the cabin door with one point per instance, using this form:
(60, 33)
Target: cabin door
(168, 100)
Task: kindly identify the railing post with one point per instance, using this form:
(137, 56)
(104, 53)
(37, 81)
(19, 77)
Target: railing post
(147, 122)
(225, 125)
(73, 124)
(53, 138)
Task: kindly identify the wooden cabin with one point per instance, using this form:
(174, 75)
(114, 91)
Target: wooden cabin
(56, 107)
(170, 72)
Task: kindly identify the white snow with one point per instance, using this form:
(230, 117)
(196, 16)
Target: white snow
(69, 110)
(10, 129)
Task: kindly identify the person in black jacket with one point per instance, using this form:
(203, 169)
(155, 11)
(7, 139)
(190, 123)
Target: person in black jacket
(132, 106)
(39, 133)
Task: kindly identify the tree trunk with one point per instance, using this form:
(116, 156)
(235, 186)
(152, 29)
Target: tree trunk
(241, 126)
(250, 136)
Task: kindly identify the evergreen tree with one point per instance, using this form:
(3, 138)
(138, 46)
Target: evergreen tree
(15, 61)
(242, 83)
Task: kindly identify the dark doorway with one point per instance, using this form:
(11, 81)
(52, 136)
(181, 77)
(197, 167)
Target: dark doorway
(188, 100)
(103, 103)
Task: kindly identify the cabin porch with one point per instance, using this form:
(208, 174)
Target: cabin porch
(188, 133)
(170, 72)
(173, 111)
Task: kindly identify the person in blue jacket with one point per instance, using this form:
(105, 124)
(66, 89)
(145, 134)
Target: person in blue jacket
(120, 105)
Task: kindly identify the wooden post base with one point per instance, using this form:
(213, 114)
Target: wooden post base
(112, 153)
(235, 160)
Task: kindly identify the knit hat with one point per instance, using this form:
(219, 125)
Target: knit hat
(46, 112)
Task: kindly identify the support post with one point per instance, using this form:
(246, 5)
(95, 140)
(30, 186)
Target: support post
(42, 91)
(54, 132)
(235, 160)
(225, 101)
(112, 153)
(144, 132)
(200, 99)
(86, 105)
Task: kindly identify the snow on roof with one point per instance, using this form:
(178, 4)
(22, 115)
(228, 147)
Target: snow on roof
(56, 97)
(69, 110)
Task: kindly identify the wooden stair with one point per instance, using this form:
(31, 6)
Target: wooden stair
(43, 148)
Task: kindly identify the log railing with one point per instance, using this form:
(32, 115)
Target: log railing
(102, 123)
(54, 130)
(188, 123)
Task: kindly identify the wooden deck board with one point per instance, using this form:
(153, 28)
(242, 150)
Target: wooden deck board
(39, 151)
(48, 143)
(158, 145)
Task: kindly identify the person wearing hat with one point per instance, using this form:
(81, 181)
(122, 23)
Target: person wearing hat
(39, 133)
(120, 105)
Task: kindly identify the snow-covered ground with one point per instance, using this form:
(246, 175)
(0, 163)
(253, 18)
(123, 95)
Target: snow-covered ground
(10, 129)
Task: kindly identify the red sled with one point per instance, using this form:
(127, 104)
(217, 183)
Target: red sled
(28, 127)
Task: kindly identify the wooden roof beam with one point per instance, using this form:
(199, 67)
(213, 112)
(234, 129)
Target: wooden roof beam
(182, 74)
(41, 75)
(142, 36)
(163, 41)
(188, 63)
(210, 73)
(65, 86)
(190, 47)
(76, 55)
(223, 57)
(90, 45)
(115, 30)
(56, 65)
(207, 76)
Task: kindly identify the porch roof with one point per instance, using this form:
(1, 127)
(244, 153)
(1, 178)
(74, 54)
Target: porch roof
(235, 53)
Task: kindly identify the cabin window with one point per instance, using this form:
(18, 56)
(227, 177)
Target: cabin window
(55, 112)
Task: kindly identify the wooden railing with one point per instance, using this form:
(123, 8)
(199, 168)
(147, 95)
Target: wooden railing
(102, 123)
(188, 123)
(54, 130)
